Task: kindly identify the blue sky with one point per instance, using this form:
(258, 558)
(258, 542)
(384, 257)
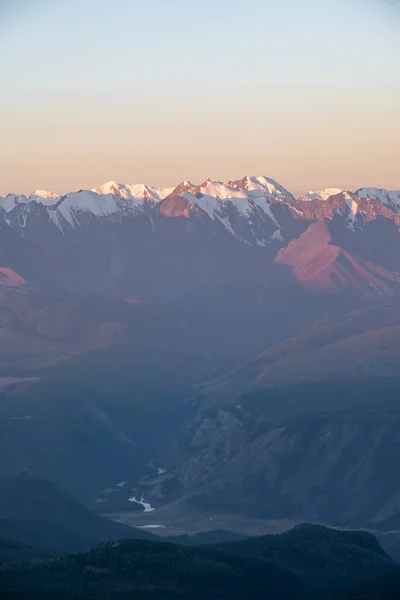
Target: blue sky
(307, 92)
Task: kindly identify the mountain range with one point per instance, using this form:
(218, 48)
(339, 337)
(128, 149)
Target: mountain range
(94, 237)
(205, 335)
(74, 269)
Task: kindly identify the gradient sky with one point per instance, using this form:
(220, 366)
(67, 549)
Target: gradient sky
(156, 91)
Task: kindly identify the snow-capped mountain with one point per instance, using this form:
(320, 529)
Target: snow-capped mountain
(261, 186)
(321, 195)
(244, 208)
(119, 238)
(76, 209)
(255, 210)
(133, 192)
(44, 196)
(389, 198)
(12, 200)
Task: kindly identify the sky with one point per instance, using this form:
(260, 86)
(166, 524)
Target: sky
(156, 91)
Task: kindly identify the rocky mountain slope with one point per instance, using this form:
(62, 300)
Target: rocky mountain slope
(362, 342)
(313, 451)
(317, 263)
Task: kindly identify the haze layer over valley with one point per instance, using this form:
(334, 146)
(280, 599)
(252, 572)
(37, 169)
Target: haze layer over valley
(230, 350)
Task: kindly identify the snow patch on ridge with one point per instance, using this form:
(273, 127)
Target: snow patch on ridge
(72, 204)
(12, 200)
(247, 208)
(386, 197)
(247, 198)
(133, 192)
(261, 185)
(321, 195)
(43, 195)
(353, 209)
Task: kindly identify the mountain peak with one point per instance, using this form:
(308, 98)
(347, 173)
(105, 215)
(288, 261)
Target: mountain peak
(260, 185)
(186, 183)
(107, 188)
(183, 186)
(242, 206)
(44, 195)
(321, 195)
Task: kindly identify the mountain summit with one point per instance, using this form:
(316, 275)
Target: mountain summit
(91, 240)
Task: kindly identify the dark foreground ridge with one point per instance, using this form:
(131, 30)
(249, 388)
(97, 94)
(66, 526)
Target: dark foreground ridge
(307, 562)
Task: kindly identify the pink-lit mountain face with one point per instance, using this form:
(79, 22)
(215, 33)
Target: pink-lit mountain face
(232, 265)
(130, 240)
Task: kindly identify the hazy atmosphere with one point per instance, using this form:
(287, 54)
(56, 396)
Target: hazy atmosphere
(199, 299)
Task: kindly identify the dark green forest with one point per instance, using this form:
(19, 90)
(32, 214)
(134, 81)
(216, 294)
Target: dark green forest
(305, 563)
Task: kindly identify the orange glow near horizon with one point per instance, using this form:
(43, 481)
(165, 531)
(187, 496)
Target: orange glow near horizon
(307, 94)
